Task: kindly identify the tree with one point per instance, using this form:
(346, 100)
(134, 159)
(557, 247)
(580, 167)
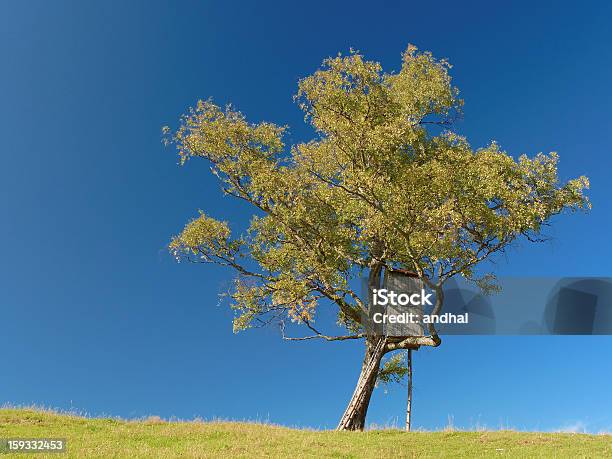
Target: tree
(386, 183)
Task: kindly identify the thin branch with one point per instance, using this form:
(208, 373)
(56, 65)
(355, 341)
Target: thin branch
(318, 335)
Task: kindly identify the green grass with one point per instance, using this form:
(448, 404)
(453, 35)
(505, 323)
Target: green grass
(97, 437)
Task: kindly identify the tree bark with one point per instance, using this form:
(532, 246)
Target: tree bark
(355, 414)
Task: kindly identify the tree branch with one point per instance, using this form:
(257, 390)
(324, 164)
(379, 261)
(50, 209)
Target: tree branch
(318, 335)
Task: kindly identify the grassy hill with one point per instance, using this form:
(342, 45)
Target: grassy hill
(155, 438)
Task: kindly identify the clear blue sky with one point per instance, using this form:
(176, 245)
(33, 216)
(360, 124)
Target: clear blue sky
(96, 316)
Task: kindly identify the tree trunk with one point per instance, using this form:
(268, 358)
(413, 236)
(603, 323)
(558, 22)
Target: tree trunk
(355, 414)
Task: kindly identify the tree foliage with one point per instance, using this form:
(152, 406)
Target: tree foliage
(386, 182)
(394, 369)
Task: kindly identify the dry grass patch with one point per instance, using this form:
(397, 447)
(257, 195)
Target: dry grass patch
(154, 437)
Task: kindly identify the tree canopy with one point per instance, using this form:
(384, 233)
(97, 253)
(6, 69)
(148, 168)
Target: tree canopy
(387, 181)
